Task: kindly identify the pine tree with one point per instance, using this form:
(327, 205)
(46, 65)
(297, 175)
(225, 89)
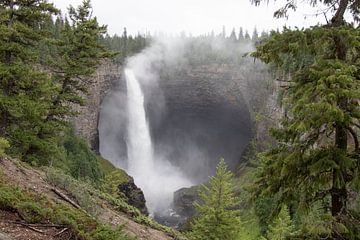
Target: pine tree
(216, 218)
(233, 35)
(282, 227)
(80, 52)
(25, 90)
(318, 149)
(255, 35)
(247, 36)
(241, 34)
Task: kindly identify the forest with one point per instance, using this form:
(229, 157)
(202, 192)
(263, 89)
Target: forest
(302, 182)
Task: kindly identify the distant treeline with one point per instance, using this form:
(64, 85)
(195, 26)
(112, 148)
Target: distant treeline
(205, 49)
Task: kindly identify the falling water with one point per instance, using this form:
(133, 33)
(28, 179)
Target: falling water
(157, 178)
(139, 146)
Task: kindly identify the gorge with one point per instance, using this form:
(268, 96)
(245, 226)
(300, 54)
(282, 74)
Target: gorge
(194, 113)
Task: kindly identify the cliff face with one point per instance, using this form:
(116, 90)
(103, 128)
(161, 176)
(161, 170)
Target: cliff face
(86, 123)
(197, 114)
(204, 117)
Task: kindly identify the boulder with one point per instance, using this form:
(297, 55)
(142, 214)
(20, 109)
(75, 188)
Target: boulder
(184, 200)
(134, 195)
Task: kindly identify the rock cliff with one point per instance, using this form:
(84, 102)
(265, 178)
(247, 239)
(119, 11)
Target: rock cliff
(86, 123)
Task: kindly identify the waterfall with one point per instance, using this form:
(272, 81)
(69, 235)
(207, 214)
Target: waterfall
(139, 146)
(158, 179)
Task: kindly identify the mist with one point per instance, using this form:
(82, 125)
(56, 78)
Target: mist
(188, 131)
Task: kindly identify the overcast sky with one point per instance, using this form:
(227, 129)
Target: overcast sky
(191, 16)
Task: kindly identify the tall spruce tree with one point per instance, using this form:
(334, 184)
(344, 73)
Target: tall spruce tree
(25, 90)
(80, 51)
(317, 156)
(216, 218)
(282, 227)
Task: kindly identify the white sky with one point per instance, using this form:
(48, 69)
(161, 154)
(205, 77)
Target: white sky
(192, 16)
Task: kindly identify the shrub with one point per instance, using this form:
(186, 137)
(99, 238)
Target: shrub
(4, 144)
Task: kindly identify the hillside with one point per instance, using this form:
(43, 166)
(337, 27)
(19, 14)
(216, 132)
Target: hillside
(32, 222)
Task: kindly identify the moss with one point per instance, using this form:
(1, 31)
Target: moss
(4, 144)
(35, 209)
(9, 197)
(105, 233)
(113, 180)
(31, 212)
(105, 165)
(81, 190)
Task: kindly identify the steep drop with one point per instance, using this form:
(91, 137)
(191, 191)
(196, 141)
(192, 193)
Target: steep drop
(158, 179)
(139, 146)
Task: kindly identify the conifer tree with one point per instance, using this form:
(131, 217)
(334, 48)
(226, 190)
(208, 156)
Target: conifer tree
(255, 35)
(233, 35)
(25, 90)
(247, 36)
(216, 215)
(241, 34)
(317, 155)
(80, 51)
(282, 227)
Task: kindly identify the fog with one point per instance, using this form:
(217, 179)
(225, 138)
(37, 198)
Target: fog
(153, 135)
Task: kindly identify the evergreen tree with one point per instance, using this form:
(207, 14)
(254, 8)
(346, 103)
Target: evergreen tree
(283, 227)
(247, 36)
(241, 34)
(255, 35)
(223, 33)
(79, 53)
(216, 217)
(25, 90)
(317, 155)
(233, 35)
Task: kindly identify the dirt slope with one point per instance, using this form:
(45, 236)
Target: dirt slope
(34, 180)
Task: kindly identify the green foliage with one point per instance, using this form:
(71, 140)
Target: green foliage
(25, 89)
(43, 67)
(264, 209)
(282, 228)
(30, 212)
(217, 218)
(315, 223)
(35, 209)
(80, 191)
(113, 180)
(105, 166)
(78, 53)
(249, 229)
(106, 233)
(125, 46)
(88, 198)
(4, 144)
(317, 152)
(38, 209)
(82, 162)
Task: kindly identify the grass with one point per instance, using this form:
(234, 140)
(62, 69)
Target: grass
(38, 209)
(90, 198)
(105, 165)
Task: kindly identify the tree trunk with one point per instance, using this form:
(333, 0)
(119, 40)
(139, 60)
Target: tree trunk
(338, 18)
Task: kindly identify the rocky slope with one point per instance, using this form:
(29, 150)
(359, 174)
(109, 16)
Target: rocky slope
(44, 185)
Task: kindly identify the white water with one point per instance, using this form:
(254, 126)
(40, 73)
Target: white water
(139, 146)
(157, 178)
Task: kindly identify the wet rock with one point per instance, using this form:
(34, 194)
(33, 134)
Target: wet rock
(134, 195)
(184, 200)
(183, 209)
